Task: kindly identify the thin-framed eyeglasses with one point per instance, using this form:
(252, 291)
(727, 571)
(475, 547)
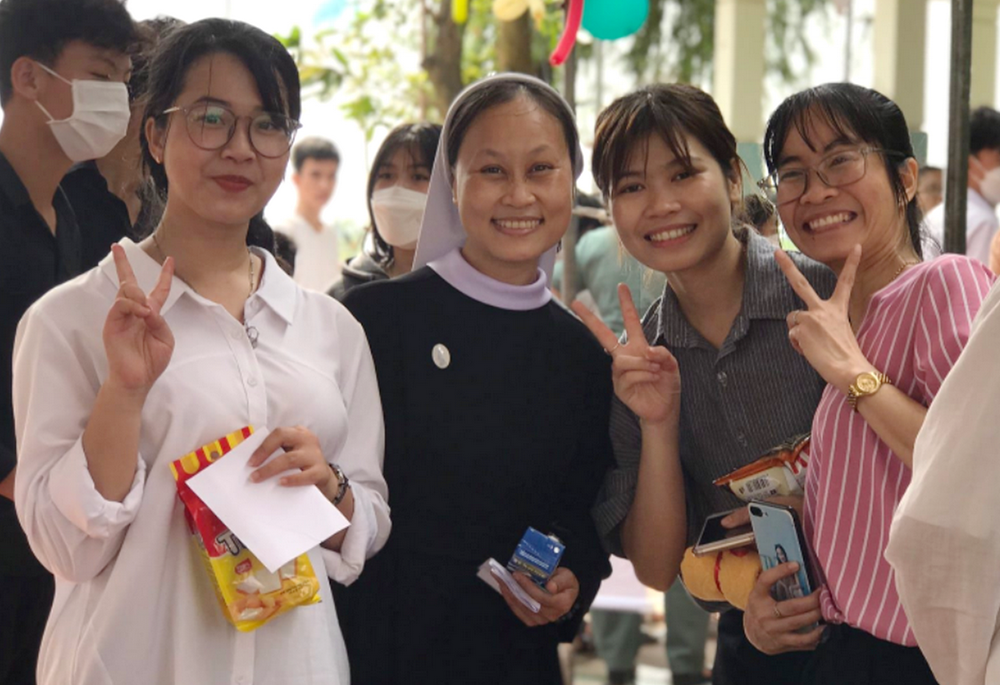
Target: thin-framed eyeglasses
(211, 127)
(837, 169)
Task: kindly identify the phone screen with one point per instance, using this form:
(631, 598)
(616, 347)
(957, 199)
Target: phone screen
(715, 537)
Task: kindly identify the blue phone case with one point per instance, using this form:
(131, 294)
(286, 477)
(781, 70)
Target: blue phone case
(780, 539)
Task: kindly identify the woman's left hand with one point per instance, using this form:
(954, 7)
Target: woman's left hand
(302, 451)
(822, 333)
(563, 589)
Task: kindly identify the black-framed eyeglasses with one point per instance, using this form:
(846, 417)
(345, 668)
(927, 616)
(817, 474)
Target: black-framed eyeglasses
(837, 169)
(212, 126)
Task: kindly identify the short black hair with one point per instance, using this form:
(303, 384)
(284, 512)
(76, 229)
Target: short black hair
(421, 141)
(40, 29)
(670, 111)
(855, 113)
(984, 130)
(757, 210)
(316, 148)
(149, 33)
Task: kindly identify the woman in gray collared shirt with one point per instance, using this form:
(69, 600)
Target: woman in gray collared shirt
(669, 170)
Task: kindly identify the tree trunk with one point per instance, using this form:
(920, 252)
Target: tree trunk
(443, 61)
(514, 45)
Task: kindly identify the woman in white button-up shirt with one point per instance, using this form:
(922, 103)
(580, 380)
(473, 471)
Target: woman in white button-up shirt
(168, 345)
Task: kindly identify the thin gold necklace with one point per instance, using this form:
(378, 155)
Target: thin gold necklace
(906, 265)
(251, 331)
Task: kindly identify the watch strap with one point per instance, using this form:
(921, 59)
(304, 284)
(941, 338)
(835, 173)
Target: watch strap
(344, 481)
(854, 393)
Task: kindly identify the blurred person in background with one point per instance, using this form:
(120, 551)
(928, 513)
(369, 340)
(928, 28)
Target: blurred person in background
(981, 221)
(311, 247)
(761, 214)
(111, 196)
(930, 188)
(397, 193)
(63, 68)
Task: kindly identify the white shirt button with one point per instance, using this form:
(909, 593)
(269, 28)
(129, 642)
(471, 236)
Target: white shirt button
(252, 382)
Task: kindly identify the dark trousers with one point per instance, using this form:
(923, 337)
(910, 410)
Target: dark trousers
(737, 662)
(849, 655)
(24, 608)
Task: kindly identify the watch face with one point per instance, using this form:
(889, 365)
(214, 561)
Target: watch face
(867, 383)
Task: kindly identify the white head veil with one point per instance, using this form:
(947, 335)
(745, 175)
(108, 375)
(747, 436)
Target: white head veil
(441, 230)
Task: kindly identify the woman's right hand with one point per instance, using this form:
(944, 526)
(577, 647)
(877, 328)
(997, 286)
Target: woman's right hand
(137, 340)
(771, 626)
(647, 379)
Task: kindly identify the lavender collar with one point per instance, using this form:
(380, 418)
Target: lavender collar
(473, 283)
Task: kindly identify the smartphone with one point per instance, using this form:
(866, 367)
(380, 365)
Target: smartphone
(780, 539)
(715, 538)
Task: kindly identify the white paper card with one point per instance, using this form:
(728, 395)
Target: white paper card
(275, 522)
(486, 573)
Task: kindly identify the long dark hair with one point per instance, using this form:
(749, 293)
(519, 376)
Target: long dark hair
(854, 113)
(421, 141)
(270, 65)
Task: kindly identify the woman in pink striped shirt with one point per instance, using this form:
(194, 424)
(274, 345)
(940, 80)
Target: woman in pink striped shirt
(845, 178)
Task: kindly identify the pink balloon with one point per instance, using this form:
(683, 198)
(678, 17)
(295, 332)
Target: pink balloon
(568, 39)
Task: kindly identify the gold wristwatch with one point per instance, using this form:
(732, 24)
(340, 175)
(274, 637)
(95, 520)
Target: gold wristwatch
(867, 383)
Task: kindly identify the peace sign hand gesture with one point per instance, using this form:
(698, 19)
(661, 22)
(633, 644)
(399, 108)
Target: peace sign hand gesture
(647, 379)
(822, 333)
(137, 340)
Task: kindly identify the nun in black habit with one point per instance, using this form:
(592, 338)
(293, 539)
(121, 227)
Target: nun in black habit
(496, 403)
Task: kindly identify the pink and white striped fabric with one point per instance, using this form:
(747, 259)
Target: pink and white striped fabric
(914, 330)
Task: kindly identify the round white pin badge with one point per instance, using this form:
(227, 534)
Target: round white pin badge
(441, 356)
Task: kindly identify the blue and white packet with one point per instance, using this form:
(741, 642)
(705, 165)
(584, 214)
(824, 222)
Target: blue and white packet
(537, 556)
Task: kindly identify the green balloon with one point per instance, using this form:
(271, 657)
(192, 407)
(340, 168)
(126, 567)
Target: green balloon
(614, 19)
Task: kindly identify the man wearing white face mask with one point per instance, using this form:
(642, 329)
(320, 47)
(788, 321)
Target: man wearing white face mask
(63, 64)
(981, 221)
(397, 194)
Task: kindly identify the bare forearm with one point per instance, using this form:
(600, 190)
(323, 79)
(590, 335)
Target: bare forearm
(111, 440)
(895, 418)
(654, 531)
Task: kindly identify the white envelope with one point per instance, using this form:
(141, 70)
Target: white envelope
(275, 522)
(491, 569)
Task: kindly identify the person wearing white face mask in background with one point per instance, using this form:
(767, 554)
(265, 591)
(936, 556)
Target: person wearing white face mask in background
(397, 193)
(63, 64)
(981, 223)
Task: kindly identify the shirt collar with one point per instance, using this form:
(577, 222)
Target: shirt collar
(766, 292)
(276, 289)
(976, 199)
(468, 280)
(766, 295)
(11, 184)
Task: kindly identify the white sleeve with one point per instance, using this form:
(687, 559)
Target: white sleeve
(944, 543)
(361, 458)
(72, 529)
(980, 237)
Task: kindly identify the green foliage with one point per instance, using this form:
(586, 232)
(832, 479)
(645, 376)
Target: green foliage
(363, 58)
(678, 40)
(355, 61)
(479, 44)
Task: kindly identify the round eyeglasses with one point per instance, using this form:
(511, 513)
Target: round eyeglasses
(837, 169)
(212, 126)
